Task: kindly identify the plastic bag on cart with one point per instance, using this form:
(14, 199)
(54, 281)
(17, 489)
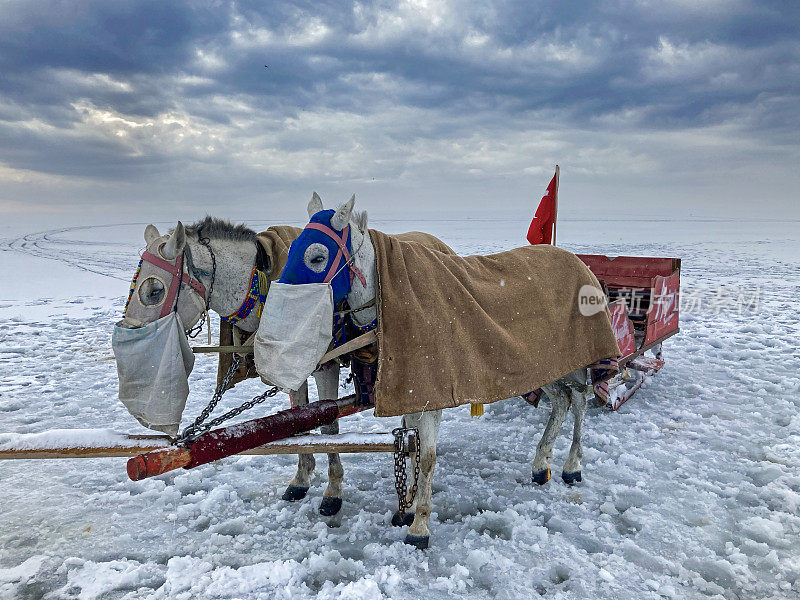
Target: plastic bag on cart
(294, 333)
(153, 364)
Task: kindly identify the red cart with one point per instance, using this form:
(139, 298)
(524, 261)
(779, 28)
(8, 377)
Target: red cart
(643, 297)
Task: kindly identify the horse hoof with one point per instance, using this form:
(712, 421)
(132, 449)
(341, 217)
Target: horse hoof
(330, 506)
(570, 478)
(541, 477)
(398, 522)
(420, 542)
(294, 493)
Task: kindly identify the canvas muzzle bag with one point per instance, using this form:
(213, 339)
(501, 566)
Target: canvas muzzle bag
(153, 364)
(294, 333)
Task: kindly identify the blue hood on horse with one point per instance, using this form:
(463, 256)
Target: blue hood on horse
(322, 254)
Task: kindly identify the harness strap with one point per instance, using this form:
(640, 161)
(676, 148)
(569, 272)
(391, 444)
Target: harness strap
(259, 287)
(341, 241)
(368, 327)
(366, 305)
(174, 288)
(175, 268)
(350, 311)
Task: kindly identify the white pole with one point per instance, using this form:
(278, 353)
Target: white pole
(555, 208)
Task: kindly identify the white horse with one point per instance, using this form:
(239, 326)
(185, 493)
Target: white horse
(571, 390)
(222, 265)
(225, 282)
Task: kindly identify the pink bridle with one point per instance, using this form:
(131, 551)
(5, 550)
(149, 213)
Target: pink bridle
(341, 241)
(175, 268)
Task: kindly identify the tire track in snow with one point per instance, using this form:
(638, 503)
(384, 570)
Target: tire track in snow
(79, 254)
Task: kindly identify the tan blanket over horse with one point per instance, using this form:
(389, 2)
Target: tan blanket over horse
(276, 241)
(455, 330)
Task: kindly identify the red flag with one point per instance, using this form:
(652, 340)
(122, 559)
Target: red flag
(542, 228)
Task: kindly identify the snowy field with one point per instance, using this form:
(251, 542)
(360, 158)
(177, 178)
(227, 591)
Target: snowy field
(690, 490)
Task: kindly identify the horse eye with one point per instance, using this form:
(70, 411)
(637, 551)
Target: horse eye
(316, 257)
(151, 292)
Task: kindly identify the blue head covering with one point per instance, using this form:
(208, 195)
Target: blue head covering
(296, 272)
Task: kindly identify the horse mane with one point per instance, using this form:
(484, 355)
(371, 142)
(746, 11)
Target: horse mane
(360, 217)
(221, 229)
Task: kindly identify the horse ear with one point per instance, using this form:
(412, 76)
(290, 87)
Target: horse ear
(150, 234)
(342, 215)
(175, 243)
(315, 205)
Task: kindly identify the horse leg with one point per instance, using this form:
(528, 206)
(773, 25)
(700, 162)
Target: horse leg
(559, 401)
(428, 425)
(298, 486)
(408, 518)
(327, 378)
(572, 466)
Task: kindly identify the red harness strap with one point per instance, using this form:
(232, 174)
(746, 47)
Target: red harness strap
(343, 251)
(175, 268)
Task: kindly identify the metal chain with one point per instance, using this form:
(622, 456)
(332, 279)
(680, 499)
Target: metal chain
(224, 385)
(400, 472)
(199, 427)
(194, 331)
(271, 392)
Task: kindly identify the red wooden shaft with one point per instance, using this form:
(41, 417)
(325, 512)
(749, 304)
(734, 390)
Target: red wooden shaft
(234, 439)
(157, 462)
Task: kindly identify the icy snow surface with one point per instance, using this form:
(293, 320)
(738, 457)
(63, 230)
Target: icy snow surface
(690, 490)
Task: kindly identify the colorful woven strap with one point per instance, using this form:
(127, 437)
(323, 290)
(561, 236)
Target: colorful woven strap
(133, 287)
(255, 297)
(367, 327)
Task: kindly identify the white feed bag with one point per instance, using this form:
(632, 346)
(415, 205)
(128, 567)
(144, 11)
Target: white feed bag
(153, 364)
(294, 333)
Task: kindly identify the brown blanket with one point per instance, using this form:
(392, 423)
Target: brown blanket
(455, 330)
(426, 239)
(276, 241)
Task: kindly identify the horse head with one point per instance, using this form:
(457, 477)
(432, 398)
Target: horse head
(323, 253)
(165, 280)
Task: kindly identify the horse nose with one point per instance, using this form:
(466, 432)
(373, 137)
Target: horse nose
(125, 324)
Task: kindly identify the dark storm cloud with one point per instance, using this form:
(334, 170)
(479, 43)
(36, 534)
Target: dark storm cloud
(96, 36)
(113, 90)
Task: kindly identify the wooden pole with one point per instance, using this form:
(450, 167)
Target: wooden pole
(359, 342)
(46, 446)
(222, 349)
(555, 208)
(233, 439)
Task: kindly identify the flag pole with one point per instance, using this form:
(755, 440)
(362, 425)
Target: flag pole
(555, 209)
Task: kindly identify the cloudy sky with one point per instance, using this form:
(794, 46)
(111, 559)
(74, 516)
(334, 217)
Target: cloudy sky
(688, 107)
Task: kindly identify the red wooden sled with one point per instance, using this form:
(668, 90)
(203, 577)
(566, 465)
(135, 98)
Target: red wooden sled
(643, 297)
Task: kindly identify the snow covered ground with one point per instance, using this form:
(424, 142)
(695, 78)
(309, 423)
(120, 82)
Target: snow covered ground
(691, 490)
